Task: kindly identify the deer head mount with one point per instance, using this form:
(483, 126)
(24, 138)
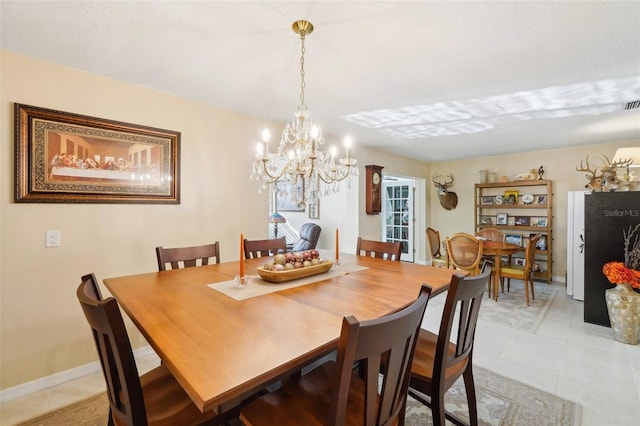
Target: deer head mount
(448, 200)
(608, 180)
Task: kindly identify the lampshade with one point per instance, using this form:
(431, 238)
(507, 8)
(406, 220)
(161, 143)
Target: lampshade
(632, 152)
(277, 218)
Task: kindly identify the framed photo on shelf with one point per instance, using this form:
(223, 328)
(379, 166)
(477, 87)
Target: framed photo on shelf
(542, 242)
(485, 201)
(486, 220)
(513, 239)
(287, 196)
(501, 219)
(64, 157)
(522, 220)
(540, 222)
(541, 199)
(519, 261)
(511, 197)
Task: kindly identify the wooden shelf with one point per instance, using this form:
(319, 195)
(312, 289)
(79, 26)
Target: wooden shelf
(488, 211)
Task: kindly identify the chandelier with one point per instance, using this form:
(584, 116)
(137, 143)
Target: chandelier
(299, 158)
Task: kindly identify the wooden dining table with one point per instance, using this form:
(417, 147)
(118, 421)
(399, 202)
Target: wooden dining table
(222, 350)
(497, 249)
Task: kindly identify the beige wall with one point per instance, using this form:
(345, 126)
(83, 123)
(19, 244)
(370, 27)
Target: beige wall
(560, 166)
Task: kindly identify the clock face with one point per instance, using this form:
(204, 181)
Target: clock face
(376, 178)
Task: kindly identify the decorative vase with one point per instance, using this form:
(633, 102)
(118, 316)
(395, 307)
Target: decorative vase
(623, 305)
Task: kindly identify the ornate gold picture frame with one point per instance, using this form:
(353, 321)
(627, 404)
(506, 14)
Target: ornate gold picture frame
(62, 157)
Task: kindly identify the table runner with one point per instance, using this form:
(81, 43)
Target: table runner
(257, 286)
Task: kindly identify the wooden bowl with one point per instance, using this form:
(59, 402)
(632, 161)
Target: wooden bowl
(293, 274)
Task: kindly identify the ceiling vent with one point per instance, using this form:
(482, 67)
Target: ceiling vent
(632, 105)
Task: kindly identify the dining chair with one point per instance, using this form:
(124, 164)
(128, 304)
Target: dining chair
(309, 235)
(334, 393)
(92, 287)
(491, 234)
(438, 258)
(439, 361)
(262, 248)
(155, 398)
(187, 256)
(381, 249)
(524, 273)
(465, 252)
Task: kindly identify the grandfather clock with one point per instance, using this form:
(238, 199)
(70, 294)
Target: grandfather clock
(373, 185)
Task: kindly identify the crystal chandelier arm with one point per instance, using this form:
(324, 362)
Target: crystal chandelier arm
(331, 179)
(277, 176)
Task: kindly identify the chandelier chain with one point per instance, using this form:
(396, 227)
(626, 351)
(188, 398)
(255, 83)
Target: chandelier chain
(302, 82)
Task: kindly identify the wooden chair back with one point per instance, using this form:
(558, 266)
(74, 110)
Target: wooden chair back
(380, 249)
(440, 360)
(116, 356)
(437, 257)
(187, 257)
(530, 254)
(333, 394)
(92, 287)
(492, 234)
(386, 343)
(465, 252)
(262, 248)
(433, 237)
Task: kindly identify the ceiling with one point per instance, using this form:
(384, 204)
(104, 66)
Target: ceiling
(432, 80)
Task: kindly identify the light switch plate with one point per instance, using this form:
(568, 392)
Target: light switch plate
(52, 239)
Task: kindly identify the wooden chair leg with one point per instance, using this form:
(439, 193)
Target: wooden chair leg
(470, 388)
(437, 410)
(533, 295)
(526, 291)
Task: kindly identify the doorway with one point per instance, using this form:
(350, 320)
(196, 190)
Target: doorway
(398, 214)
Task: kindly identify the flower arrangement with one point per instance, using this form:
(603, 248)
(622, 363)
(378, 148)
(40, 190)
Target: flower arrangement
(627, 272)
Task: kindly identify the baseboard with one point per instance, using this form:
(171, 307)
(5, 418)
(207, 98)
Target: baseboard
(61, 377)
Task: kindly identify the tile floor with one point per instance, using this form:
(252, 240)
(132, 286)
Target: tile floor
(565, 356)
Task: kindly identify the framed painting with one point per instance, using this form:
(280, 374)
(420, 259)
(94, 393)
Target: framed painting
(289, 197)
(63, 157)
(522, 221)
(314, 210)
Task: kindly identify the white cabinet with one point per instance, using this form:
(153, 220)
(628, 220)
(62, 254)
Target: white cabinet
(575, 244)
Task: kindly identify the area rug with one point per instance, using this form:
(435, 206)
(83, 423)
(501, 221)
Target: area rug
(501, 401)
(511, 309)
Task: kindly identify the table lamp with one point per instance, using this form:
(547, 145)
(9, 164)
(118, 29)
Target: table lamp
(277, 218)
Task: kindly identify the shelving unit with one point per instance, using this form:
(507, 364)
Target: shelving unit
(528, 212)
